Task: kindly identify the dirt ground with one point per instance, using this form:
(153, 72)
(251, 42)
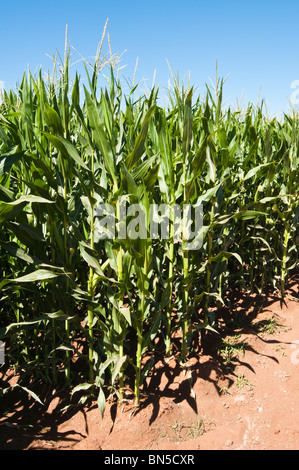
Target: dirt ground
(243, 398)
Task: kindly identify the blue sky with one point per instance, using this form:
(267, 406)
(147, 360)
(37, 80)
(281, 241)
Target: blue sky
(257, 42)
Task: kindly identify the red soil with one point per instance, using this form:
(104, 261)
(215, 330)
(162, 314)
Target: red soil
(253, 405)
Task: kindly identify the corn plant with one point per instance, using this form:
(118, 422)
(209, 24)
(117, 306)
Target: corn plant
(66, 151)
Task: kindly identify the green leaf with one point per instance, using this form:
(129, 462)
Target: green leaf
(91, 261)
(15, 250)
(72, 152)
(30, 392)
(136, 154)
(126, 312)
(76, 92)
(221, 256)
(248, 214)
(187, 132)
(255, 170)
(9, 210)
(99, 135)
(101, 401)
(33, 232)
(24, 324)
(39, 275)
(150, 336)
(83, 386)
(210, 328)
(53, 120)
(117, 367)
(211, 165)
(28, 199)
(8, 160)
(66, 148)
(208, 194)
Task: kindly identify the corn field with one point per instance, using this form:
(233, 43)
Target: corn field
(83, 312)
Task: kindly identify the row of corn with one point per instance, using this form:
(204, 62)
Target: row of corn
(80, 310)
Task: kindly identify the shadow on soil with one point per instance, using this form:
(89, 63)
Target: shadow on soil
(28, 420)
(22, 420)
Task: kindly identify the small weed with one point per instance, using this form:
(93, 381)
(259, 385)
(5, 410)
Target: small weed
(231, 348)
(280, 349)
(186, 431)
(242, 382)
(224, 391)
(196, 429)
(268, 327)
